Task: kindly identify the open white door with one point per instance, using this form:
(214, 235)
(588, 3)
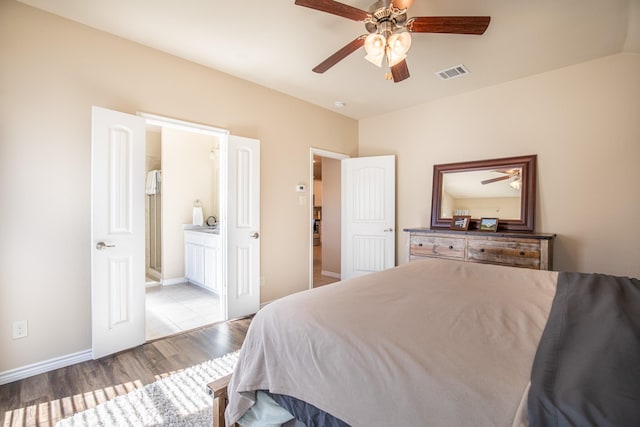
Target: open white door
(368, 215)
(117, 231)
(241, 163)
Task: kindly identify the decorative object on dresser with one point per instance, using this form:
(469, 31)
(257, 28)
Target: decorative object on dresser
(498, 188)
(488, 224)
(528, 250)
(460, 222)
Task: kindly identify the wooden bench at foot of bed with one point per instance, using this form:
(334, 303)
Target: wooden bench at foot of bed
(218, 389)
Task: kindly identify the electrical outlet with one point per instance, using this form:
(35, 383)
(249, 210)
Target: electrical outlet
(20, 329)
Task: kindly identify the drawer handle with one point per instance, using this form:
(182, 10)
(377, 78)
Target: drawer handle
(521, 253)
(420, 244)
(482, 250)
(450, 246)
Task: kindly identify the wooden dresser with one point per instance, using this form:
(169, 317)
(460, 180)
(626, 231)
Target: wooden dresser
(527, 250)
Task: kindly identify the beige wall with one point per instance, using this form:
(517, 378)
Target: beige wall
(490, 207)
(53, 71)
(331, 215)
(582, 121)
(188, 174)
(153, 144)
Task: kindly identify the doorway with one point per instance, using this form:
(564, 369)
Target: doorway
(189, 162)
(117, 227)
(325, 251)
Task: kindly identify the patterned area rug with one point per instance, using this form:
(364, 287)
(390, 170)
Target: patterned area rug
(181, 399)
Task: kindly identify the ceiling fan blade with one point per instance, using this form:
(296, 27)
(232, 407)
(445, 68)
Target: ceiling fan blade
(449, 24)
(400, 71)
(500, 178)
(336, 8)
(340, 55)
(509, 171)
(402, 4)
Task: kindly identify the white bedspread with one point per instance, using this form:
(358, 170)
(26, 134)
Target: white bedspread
(436, 342)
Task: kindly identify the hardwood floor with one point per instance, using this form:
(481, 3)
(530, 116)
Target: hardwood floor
(44, 399)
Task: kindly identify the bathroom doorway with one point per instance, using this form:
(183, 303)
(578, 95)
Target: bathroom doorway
(182, 167)
(118, 303)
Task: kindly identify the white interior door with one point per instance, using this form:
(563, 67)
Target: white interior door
(117, 231)
(368, 215)
(241, 217)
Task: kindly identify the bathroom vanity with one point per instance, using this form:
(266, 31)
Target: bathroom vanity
(202, 258)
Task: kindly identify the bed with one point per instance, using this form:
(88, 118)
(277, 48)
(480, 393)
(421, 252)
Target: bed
(445, 343)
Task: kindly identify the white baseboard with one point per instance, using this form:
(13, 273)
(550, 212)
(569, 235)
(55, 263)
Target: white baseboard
(23, 372)
(174, 281)
(330, 274)
(153, 274)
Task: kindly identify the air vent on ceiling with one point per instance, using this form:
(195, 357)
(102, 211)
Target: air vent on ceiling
(453, 72)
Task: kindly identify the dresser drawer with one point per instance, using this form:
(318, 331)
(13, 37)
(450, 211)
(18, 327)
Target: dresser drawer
(530, 250)
(519, 253)
(446, 247)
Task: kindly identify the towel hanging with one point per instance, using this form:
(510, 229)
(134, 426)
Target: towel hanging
(153, 182)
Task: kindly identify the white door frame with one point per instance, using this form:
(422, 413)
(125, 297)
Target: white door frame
(247, 299)
(321, 153)
(222, 135)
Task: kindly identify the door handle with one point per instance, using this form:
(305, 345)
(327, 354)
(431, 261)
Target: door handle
(255, 235)
(101, 246)
(388, 230)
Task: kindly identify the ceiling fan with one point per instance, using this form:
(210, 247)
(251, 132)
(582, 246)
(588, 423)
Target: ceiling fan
(389, 31)
(508, 174)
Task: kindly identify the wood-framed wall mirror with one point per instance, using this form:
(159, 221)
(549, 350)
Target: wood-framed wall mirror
(497, 188)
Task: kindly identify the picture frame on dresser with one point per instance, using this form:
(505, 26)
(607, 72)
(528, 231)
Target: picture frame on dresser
(460, 222)
(488, 224)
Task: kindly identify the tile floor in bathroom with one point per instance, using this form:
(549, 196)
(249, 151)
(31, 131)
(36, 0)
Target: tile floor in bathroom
(177, 308)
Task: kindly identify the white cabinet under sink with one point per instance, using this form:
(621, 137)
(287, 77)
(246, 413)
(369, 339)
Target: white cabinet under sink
(202, 259)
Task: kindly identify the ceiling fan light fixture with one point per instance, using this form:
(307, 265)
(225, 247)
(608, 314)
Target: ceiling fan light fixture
(397, 47)
(375, 59)
(399, 43)
(375, 45)
(515, 184)
(394, 59)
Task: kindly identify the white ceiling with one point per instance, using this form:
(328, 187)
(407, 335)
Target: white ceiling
(276, 43)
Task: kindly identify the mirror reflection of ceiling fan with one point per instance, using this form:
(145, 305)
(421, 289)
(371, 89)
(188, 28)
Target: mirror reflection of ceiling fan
(508, 174)
(389, 31)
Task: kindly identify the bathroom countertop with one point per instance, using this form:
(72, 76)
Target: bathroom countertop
(201, 229)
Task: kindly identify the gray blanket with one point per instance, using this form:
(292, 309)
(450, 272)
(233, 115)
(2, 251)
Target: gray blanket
(587, 367)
